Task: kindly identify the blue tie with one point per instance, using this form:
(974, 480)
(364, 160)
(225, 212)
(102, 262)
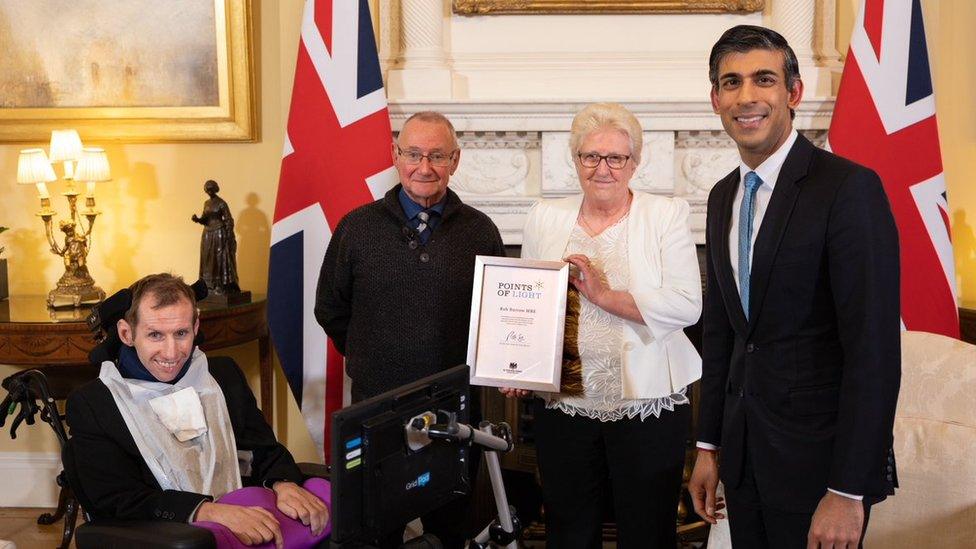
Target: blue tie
(424, 227)
(746, 214)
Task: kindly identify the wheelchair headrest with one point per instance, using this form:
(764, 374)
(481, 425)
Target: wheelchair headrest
(104, 318)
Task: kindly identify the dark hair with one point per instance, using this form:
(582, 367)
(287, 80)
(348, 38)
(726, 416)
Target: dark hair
(166, 288)
(745, 38)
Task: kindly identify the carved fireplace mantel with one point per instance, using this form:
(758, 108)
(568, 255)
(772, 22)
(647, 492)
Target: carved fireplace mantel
(515, 153)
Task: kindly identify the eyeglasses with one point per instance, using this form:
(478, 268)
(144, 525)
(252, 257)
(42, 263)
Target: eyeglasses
(614, 161)
(439, 159)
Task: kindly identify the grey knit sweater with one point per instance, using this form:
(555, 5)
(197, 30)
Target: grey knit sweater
(397, 309)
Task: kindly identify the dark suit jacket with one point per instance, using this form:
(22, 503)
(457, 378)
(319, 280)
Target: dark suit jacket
(808, 385)
(115, 480)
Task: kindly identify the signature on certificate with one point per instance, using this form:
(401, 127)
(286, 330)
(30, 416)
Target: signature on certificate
(514, 337)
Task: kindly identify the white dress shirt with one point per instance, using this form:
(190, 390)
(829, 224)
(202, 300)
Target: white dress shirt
(768, 172)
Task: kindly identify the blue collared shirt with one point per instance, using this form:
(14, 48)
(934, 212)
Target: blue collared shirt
(411, 209)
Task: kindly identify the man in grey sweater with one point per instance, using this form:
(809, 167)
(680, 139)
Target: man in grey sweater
(394, 292)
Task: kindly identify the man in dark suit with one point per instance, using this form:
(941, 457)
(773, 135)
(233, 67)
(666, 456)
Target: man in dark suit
(112, 442)
(801, 352)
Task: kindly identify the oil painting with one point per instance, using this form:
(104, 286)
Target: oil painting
(139, 70)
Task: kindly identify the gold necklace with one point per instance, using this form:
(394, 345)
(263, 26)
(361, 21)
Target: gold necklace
(612, 218)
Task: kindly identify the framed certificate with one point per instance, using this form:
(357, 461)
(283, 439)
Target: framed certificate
(518, 315)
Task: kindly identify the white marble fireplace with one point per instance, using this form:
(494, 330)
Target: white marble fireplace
(512, 84)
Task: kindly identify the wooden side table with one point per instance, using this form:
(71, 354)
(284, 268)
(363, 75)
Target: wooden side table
(32, 335)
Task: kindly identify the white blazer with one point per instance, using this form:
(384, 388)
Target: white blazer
(658, 359)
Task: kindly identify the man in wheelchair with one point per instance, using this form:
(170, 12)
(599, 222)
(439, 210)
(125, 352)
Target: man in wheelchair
(164, 434)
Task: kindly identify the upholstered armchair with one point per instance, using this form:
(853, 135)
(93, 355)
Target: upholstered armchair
(935, 447)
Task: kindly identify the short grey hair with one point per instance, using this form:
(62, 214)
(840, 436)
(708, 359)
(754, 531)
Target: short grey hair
(433, 117)
(601, 116)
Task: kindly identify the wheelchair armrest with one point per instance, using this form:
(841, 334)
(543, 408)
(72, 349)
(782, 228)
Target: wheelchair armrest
(110, 534)
(314, 470)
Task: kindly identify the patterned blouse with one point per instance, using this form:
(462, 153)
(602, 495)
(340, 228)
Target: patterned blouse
(601, 338)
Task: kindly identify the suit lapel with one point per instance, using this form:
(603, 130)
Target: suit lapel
(103, 404)
(775, 221)
(721, 260)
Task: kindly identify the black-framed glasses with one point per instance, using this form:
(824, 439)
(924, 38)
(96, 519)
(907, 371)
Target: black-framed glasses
(439, 159)
(614, 161)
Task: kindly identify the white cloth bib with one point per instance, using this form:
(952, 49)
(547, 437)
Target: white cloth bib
(186, 441)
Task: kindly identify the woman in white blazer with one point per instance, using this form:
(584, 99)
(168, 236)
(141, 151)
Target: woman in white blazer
(639, 283)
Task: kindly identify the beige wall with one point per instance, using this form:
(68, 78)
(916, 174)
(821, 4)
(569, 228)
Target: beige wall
(146, 226)
(951, 42)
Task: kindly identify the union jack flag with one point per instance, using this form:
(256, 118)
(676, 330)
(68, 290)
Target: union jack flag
(884, 118)
(336, 158)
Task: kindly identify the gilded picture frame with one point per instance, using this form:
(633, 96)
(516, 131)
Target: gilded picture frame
(222, 106)
(493, 7)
